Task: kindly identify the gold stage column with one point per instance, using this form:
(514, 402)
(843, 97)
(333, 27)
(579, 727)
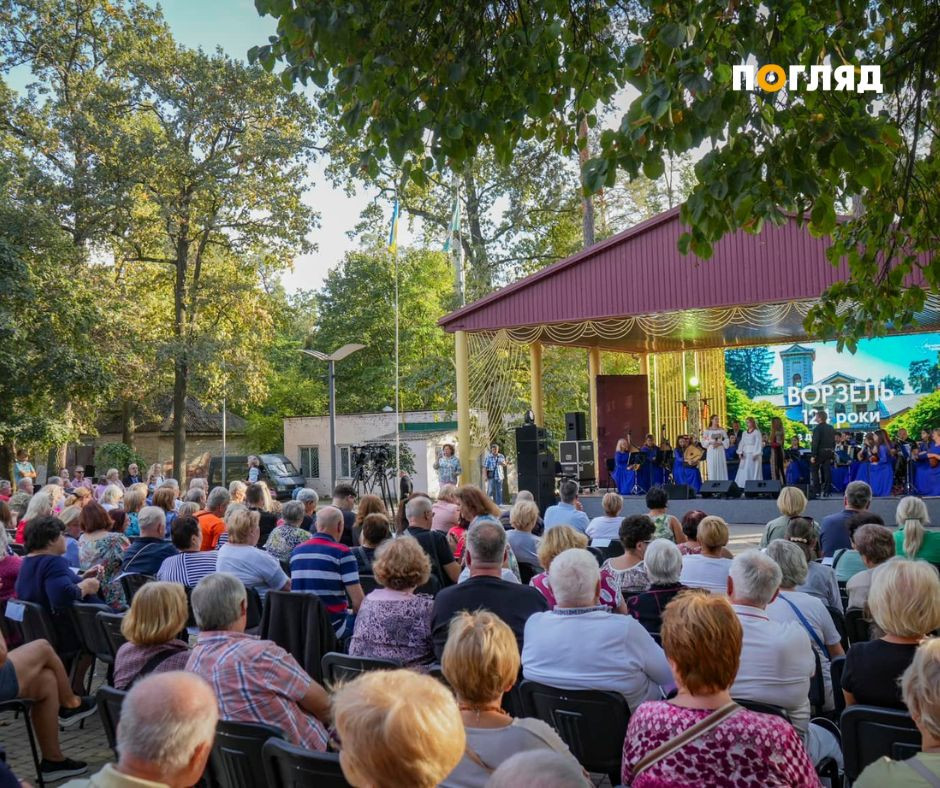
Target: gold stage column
(535, 382)
(594, 369)
(465, 449)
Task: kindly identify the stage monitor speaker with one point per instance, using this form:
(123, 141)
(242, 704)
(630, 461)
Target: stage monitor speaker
(762, 488)
(531, 434)
(723, 488)
(568, 451)
(679, 492)
(575, 429)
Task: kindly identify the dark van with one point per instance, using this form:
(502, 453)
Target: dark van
(278, 472)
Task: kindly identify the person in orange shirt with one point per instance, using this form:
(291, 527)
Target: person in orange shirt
(210, 519)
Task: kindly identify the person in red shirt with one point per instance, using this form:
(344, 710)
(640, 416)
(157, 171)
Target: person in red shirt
(210, 519)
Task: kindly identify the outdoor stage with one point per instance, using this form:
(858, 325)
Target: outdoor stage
(752, 510)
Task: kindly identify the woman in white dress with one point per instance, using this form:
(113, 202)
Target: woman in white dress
(715, 440)
(750, 450)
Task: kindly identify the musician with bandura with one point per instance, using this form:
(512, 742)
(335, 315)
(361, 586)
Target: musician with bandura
(715, 441)
(685, 469)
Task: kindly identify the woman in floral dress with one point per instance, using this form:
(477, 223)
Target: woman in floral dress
(100, 546)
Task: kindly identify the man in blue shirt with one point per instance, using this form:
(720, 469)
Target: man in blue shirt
(494, 466)
(834, 529)
(568, 512)
(146, 554)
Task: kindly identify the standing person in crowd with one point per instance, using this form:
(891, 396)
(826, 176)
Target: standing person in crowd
(715, 440)
(254, 470)
(447, 466)
(210, 519)
(190, 564)
(236, 490)
(368, 504)
(99, 546)
(914, 537)
(494, 467)
(133, 475)
(524, 545)
(240, 555)
(554, 543)
(405, 486)
(288, 534)
(823, 449)
(636, 533)
(834, 529)
(255, 500)
(393, 622)
(750, 451)
(905, 604)
(134, 500)
(309, 499)
(663, 563)
(708, 569)
(875, 545)
(513, 603)
(254, 680)
(690, 521)
(325, 566)
(703, 638)
(820, 580)
(344, 499)
(155, 477)
(393, 744)
(151, 627)
(624, 658)
(481, 664)
(665, 525)
(23, 468)
(568, 511)
(445, 513)
(434, 543)
(146, 555)
(605, 529)
(376, 529)
(791, 502)
(848, 563)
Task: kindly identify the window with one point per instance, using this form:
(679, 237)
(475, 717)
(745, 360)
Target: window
(797, 379)
(344, 470)
(310, 462)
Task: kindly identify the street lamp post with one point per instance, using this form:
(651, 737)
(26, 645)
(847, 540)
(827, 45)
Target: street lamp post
(331, 359)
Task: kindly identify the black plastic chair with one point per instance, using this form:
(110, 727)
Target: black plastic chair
(92, 637)
(110, 626)
(254, 607)
(599, 554)
(838, 618)
(132, 582)
(289, 766)
(342, 667)
(763, 708)
(836, 666)
(235, 760)
(870, 732)
(844, 594)
(22, 707)
(36, 623)
(615, 548)
(527, 572)
(109, 702)
(592, 723)
(368, 583)
(857, 626)
(817, 688)
(299, 624)
(610, 464)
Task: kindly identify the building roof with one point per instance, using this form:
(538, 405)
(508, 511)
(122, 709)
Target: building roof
(797, 350)
(198, 420)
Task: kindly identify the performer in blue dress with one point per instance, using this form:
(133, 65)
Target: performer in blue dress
(685, 469)
(624, 475)
(878, 471)
(651, 472)
(731, 454)
(927, 466)
(794, 474)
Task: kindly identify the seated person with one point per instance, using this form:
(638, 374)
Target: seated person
(820, 580)
(241, 557)
(211, 519)
(190, 564)
(624, 656)
(629, 572)
(791, 502)
(709, 568)
(286, 536)
(393, 622)
(481, 664)
(920, 690)
(524, 545)
(875, 545)
(390, 743)
(905, 603)
(539, 769)
(663, 564)
(152, 627)
(568, 511)
(846, 562)
(255, 680)
(376, 529)
(690, 521)
(146, 554)
(605, 529)
(702, 639)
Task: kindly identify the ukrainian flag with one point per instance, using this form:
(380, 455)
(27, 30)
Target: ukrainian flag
(393, 232)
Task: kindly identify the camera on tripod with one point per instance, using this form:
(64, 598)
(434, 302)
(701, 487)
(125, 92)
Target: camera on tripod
(375, 454)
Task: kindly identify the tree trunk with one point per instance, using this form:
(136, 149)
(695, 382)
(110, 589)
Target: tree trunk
(128, 422)
(6, 462)
(481, 276)
(180, 363)
(587, 201)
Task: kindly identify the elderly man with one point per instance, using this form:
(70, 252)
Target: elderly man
(777, 659)
(623, 656)
(568, 510)
(326, 567)
(21, 498)
(486, 590)
(210, 519)
(144, 555)
(133, 475)
(165, 734)
(79, 480)
(254, 680)
(540, 768)
(419, 511)
(310, 499)
(834, 530)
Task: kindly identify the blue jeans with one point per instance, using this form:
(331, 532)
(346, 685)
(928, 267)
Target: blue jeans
(494, 488)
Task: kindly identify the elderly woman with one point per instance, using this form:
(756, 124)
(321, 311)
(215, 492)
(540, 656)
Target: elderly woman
(606, 528)
(820, 580)
(111, 497)
(10, 563)
(134, 500)
(190, 564)
(368, 504)
(665, 525)
(40, 505)
(920, 689)
(481, 664)
(708, 569)
(73, 531)
(237, 489)
(663, 565)
(240, 556)
(165, 497)
(376, 529)
(285, 537)
(702, 638)
(690, 521)
(525, 546)
(914, 537)
(100, 546)
(624, 656)
(447, 466)
(473, 503)
(390, 743)
(875, 545)
(793, 605)
(905, 603)
(553, 544)
(846, 562)
(157, 616)
(445, 513)
(393, 622)
(791, 502)
(636, 532)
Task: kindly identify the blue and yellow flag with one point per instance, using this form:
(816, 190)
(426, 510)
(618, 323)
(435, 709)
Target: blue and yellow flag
(393, 232)
(454, 224)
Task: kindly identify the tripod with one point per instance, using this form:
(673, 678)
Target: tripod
(636, 461)
(378, 482)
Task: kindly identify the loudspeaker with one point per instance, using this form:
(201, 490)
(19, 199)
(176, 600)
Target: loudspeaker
(724, 488)
(679, 492)
(575, 429)
(762, 488)
(568, 452)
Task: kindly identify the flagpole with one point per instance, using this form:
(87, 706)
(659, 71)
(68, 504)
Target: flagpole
(393, 247)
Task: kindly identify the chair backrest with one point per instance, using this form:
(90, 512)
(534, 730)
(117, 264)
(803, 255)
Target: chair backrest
(527, 572)
(870, 732)
(763, 708)
(598, 554)
(857, 626)
(131, 582)
(844, 594)
(109, 709)
(36, 623)
(591, 722)
(253, 601)
(289, 766)
(235, 761)
(838, 618)
(92, 636)
(836, 666)
(339, 667)
(615, 548)
(368, 583)
(298, 623)
(110, 625)
(817, 687)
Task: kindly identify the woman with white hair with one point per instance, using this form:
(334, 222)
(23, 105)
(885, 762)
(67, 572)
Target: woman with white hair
(797, 606)
(40, 505)
(111, 497)
(624, 657)
(663, 565)
(914, 538)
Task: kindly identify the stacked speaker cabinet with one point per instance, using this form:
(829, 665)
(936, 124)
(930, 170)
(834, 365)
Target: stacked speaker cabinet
(535, 465)
(577, 461)
(575, 426)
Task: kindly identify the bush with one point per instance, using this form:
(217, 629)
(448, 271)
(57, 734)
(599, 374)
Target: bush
(924, 416)
(117, 455)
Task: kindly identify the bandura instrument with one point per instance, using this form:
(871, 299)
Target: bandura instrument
(693, 455)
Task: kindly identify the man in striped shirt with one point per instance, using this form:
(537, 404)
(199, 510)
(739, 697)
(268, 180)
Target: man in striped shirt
(326, 567)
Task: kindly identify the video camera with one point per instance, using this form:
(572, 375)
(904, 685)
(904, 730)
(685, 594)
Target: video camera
(375, 453)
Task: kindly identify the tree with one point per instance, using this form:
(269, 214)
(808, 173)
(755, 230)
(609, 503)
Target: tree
(749, 368)
(893, 383)
(430, 84)
(923, 376)
(740, 407)
(925, 415)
